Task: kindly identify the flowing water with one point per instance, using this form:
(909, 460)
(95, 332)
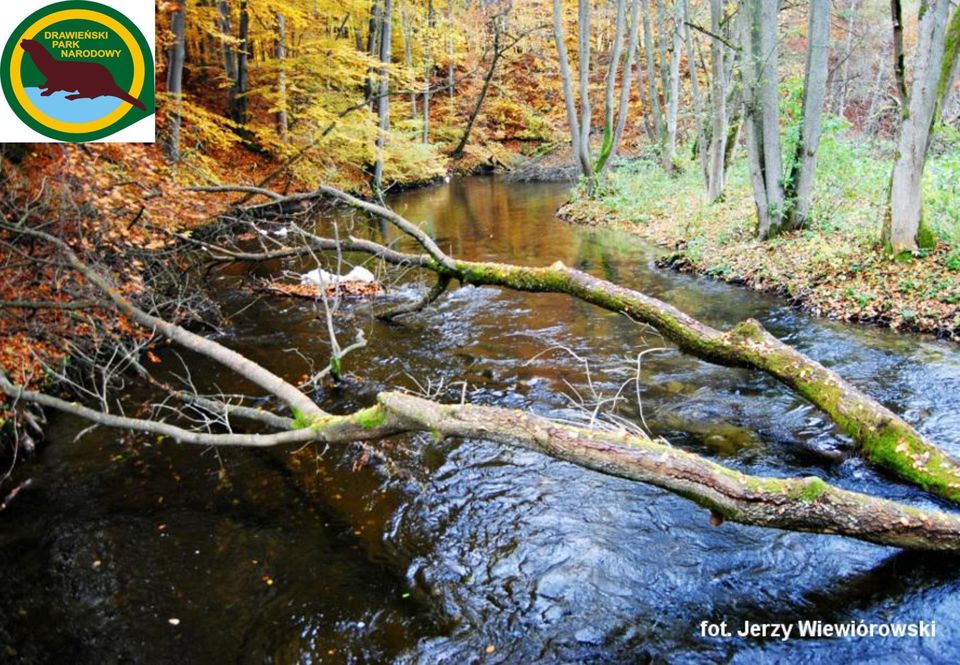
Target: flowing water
(126, 549)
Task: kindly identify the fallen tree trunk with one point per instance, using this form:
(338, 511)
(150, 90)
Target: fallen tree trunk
(884, 439)
(798, 504)
(795, 504)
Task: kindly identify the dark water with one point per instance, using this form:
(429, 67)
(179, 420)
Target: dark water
(465, 551)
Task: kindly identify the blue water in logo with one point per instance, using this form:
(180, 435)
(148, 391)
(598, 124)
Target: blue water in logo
(72, 110)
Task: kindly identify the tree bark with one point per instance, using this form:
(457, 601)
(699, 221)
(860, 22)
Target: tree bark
(239, 102)
(703, 149)
(899, 60)
(844, 83)
(408, 54)
(280, 53)
(935, 70)
(383, 103)
(175, 60)
(427, 70)
(451, 81)
(648, 47)
(625, 83)
(566, 81)
(716, 170)
(673, 90)
(802, 172)
(586, 113)
(762, 113)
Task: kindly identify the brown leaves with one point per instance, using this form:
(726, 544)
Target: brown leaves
(312, 292)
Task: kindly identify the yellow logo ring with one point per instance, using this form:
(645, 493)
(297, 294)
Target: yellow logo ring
(77, 127)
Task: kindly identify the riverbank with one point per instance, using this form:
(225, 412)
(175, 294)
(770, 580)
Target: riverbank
(833, 269)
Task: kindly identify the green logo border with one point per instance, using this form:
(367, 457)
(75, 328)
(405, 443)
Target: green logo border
(147, 96)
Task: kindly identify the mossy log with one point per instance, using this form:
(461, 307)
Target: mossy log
(795, 504)
(884, 439)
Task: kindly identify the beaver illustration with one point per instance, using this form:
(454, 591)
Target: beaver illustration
(89, 79)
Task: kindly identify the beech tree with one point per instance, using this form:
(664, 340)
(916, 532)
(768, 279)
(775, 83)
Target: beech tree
(934, 72)
(615, 113)
(175, 58)
(782, 200)
(383, 101)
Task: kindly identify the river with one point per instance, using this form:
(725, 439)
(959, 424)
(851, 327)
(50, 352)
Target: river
(123, 549)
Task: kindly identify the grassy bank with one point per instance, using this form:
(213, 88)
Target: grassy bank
(834, 267)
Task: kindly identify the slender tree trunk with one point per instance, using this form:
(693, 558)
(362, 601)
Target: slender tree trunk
(703, 149)
(610, 88)
(428, 70)
(240, 103)
(586, 113)
(566, 81)
(497, 53)
(632, 39)
(175, 59)
(408, 53)
(662, 46)
(229, 53)
(935, 69)
(844, 82)
(383, 102)
(869, 127)
(648, 46)
(673, 98)
(373, 50)
(716, 171)
(804, 167)
(280, 52)
(899, 66)
(451, 81)
(646, 102)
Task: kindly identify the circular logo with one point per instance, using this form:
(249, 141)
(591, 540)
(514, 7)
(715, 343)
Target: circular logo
(78, 71)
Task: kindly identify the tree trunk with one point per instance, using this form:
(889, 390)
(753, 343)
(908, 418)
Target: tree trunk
(586, 113)
(673, 98)
(703, 149)
(408, 53)
(238, 111)
(280, 53)
(899, 66)
(844, 83)
(497, 53)
(229, 53)
(624, 109)
(936, 59)
(716, 171)
(567, 83)
(762, 110)
(802, 172)
(373, 50)
(451, 81)
(383, 101)
(648, 46)
(883, 438)
(427, 70)
(175, 59)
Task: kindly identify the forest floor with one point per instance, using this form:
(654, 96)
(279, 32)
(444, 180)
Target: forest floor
(834, 268)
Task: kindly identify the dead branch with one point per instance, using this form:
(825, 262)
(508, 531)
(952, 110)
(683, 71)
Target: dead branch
(883, 437)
